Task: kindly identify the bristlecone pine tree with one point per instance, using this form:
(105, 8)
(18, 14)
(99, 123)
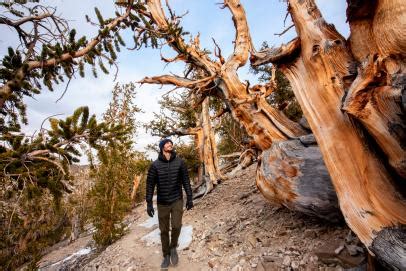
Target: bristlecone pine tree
(265, 124)
(351, 93)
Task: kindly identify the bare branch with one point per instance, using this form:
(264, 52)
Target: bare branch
(276, 55)
(192, 53)
(66, 89)
(217, 52)
(284, 31)
(242, 43)
(4, 20)
(174, 59)
(177, 81)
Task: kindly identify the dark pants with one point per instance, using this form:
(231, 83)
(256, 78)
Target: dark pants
(170, 213)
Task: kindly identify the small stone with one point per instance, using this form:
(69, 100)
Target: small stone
(310, 234)
(339, 249)
(286, 261)
(211, 263)
(353, 250)
(295, 265)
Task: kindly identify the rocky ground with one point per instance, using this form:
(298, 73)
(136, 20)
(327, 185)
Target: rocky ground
(234, 228)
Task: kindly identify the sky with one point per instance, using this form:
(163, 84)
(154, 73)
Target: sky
(265, 18)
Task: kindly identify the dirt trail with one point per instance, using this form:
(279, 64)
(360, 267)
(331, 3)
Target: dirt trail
(234, 228)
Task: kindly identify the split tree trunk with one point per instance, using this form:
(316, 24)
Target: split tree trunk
(209, 170)
(321, 69)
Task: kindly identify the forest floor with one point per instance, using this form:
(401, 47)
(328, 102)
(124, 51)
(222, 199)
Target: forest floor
(234, 228)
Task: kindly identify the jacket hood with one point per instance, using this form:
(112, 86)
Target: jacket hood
(163, 158)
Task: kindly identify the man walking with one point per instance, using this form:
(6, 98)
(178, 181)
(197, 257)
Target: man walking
(169, 173)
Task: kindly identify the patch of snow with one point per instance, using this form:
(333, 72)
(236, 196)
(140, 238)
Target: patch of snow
(185, 238)
(150, 222)
(81, 252)
(152, 238)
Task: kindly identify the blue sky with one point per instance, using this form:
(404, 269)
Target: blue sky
(265, 17)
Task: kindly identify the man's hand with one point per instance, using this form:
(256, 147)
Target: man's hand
(189, 205)
(150, 209)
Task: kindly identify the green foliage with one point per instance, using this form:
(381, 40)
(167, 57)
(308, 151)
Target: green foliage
(118, 164)
(46, 61)
(35, 176)
(177, 113)
(232, 135)
(111, 195)
(188, 153)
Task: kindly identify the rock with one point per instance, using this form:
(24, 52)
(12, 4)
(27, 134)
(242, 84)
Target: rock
(303, 122)
(267, 266)
(308, 140)
(326, 254)
(237, 268)
(349, 238)
(252, 240)
(211, 263)
(242, 261)
(286, 261)
(295, 265)
(310, 234)
(354, 250)
(260, 267)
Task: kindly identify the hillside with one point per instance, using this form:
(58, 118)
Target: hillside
(234, 228)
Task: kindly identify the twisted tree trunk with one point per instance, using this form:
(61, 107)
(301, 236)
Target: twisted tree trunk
(334, 96)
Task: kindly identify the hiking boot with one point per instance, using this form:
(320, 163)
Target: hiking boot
(174, 256)
(165, 263)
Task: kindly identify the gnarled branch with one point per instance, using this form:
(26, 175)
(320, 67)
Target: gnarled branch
(285, 53)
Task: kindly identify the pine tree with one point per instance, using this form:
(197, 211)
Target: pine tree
(117, 166)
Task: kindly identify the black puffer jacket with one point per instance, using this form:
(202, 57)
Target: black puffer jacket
(169, 177)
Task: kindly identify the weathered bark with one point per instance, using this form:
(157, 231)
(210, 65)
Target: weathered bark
(209, 171)
(320, 74)
(295, 176)
(377, 41)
